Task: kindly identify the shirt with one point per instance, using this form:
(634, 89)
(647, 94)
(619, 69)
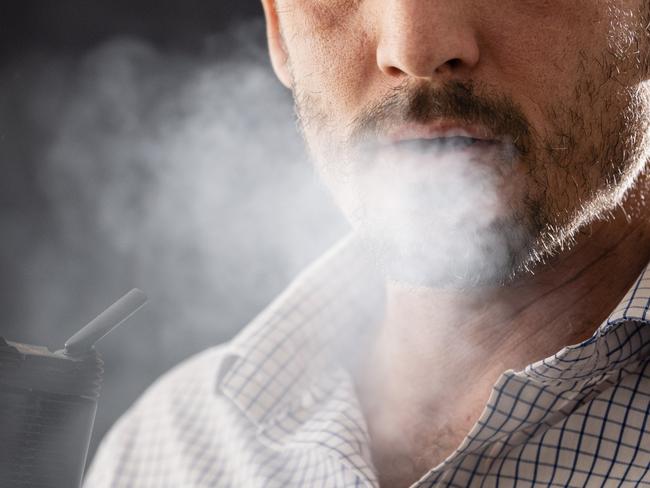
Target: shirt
(276, 406)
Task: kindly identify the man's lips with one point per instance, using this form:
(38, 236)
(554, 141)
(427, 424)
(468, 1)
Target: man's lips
(441, 145)
(417, 143)
(438, 132)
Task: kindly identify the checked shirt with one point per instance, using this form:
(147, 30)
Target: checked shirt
(276, 406)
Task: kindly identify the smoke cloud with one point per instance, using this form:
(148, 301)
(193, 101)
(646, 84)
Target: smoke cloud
(180, 173)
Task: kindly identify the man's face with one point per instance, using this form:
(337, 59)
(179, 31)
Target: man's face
(469, 140)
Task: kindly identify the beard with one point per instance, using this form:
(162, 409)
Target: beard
(433, 213)
(442, 216)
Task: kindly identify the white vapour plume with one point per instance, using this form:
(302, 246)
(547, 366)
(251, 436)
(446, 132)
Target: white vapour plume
(182, 174)
(434, 214)
(180, 161)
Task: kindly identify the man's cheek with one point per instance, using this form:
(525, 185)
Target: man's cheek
(324, 18)
(337, 82)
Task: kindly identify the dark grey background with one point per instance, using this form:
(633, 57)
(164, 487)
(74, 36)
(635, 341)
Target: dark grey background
(145, 143)
(78, 25)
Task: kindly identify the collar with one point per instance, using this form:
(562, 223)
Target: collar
(287, 357)
(619, 340)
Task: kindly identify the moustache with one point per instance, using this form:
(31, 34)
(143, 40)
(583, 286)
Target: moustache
(454, 101)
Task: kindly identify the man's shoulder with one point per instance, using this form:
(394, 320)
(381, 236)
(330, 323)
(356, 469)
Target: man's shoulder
(175, 412)
(192, 380)
(197, 373)
(203, 415)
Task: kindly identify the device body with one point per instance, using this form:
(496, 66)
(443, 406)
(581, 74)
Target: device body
(48, 402)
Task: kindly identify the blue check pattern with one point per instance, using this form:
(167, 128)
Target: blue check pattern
(276, 407)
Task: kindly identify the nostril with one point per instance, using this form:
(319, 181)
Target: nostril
(450, 66)
(454, 63)
(393, 71)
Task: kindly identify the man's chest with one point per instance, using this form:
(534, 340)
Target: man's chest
(401, 455)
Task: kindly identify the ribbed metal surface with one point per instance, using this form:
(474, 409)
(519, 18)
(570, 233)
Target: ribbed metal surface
(44, 435)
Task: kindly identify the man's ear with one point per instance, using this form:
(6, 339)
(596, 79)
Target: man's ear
(277, 50)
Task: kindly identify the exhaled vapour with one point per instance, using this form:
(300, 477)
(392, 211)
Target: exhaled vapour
(188, 163)
(432, 178)
(435, 216)
(181, 173)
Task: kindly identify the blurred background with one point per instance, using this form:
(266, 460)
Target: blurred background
(146, 143)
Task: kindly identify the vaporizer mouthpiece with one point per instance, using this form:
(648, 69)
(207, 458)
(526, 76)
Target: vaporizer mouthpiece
(83, 341)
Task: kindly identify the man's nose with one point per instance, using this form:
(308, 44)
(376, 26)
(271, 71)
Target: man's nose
(426, 39)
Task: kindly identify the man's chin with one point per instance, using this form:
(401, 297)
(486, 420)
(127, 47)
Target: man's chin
(456, 261)
(415, 271)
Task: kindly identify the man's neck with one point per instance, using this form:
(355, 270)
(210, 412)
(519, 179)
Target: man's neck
(438, 353)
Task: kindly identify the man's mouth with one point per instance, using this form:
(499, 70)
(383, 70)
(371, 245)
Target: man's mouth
(442, 144)
(437, 130)
(440, 138)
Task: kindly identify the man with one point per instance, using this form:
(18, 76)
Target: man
(491, 156)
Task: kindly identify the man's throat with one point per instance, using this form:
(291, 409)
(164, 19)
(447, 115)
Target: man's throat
(410, 432)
